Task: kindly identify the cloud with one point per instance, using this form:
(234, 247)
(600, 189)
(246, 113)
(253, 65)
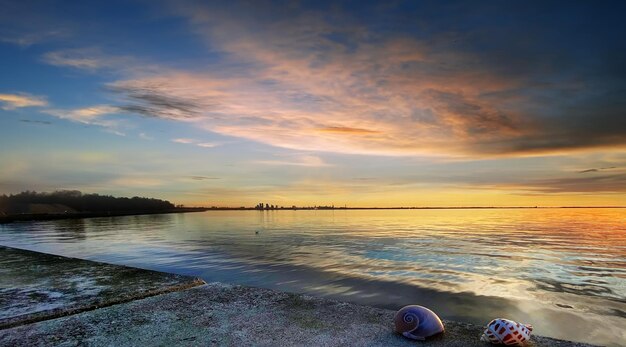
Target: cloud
(304, 160)
(13, 101)
(26, 25)
(340, 81)
(78, 59)
(308, 81)
(94, 59)
(98, 115)
(145, 136)
(598, 169)
(185, 141)
(157, 98)
(207, 144)
(31, 121)
(203, 178)
(347, 130)
(87, 115)
(523, 183)
(29, 39)
(198, 143)
(111, 130)
(614, 183)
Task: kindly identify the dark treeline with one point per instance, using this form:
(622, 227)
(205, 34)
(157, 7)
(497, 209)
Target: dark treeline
(76, 201)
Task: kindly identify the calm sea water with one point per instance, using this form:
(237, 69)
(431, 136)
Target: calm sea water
(562, 270)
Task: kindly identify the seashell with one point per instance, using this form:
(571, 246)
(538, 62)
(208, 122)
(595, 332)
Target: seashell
(417, 322)
(507, 332)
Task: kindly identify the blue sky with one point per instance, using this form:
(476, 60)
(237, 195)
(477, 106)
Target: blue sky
(360, 103)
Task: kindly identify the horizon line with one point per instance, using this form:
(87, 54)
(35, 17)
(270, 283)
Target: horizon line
(393, 208)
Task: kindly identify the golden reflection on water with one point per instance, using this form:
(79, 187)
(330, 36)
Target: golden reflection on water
(496, 252)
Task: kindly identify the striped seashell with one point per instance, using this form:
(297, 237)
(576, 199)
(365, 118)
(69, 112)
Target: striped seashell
(507, 332)
(417, 322)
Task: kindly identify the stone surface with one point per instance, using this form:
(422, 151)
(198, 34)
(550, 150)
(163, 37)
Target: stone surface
(36, 286)
(225, 315)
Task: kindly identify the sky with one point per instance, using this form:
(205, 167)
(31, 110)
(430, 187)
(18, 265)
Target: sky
(357, 103)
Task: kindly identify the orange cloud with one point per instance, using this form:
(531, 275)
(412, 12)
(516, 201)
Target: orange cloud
(354, 101)
(346, 130)
(287, 84)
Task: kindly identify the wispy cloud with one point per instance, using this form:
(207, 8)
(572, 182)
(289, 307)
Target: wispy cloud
(184, 141)
(613, 183)
(203, 178)
(154, 98)
(598, 169)
(207, 144)
(94, 59)
(198, 143)
(87, 115)
(75, 58)
(303, 160)
(13, 101)
(347, 130)
(32, 121)
(145, 136)
(29, 39)
(110, 129)
(94, 115)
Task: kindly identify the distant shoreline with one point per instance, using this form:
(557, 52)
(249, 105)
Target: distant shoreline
(27, 217)
(401, 208)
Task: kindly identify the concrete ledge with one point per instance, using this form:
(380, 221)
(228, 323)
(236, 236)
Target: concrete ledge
(226, 315)
(36, 286)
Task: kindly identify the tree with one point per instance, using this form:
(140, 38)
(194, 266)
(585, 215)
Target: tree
(80, 202)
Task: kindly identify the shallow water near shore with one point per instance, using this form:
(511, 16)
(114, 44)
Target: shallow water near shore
(562, 270)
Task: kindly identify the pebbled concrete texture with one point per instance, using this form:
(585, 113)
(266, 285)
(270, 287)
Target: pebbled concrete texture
(227, 315)
(36, 286)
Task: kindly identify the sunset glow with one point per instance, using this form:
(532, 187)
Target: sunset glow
(417, 104)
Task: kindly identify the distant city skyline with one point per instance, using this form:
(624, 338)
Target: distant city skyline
(368, 104)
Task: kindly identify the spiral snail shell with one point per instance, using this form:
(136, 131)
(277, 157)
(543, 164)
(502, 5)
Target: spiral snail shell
(417, 322)
(507, 332)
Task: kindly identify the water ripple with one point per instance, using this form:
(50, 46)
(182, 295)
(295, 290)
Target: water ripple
(572, 260)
